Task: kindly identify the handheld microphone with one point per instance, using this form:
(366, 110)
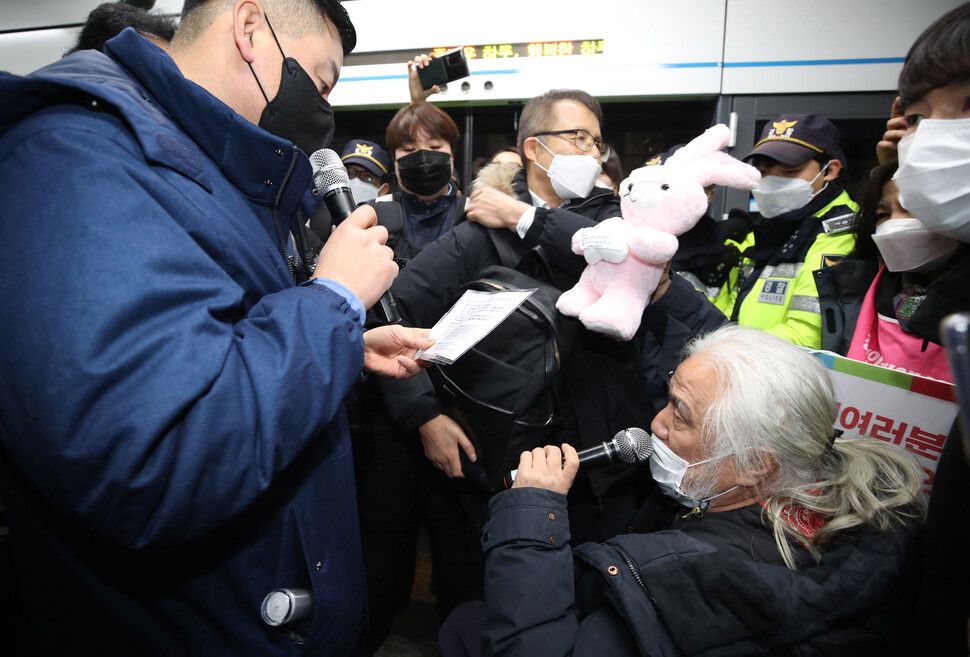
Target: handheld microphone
(330, 179)
(633, 445)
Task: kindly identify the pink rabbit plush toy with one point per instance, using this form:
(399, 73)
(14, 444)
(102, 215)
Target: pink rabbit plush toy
(626, 257)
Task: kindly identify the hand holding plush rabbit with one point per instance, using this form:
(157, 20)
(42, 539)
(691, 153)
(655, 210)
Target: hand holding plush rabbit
(626, 257)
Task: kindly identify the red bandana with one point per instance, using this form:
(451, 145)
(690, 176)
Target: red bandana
(805, 521)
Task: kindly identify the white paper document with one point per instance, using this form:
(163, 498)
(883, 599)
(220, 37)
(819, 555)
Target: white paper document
(472, 317)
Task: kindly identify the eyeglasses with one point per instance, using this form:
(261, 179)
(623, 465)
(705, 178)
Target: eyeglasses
(583, 141)
(364, 175)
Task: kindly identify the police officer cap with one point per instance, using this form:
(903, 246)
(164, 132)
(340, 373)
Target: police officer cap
(367, 154)
(794, 139)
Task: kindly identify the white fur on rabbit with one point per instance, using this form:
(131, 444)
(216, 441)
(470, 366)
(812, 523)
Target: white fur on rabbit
(626, 257)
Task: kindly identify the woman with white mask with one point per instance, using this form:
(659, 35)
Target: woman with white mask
(896, 276)
(929, 132)
(932, 121)
(932, 180)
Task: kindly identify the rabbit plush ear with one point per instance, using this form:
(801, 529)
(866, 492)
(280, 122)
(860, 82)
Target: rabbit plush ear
(721, 169)
(703, 159)
(711, 141)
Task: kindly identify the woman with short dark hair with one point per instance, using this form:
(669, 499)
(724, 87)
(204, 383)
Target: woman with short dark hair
(422, 140)
(397, 488)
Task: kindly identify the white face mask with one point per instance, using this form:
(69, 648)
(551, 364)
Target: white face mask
(906, 245)
(572, 176)
(363, 191)
(668, 470)
(776, 195)
(934, 176)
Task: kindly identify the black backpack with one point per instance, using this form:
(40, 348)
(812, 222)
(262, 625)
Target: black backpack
(505, 391)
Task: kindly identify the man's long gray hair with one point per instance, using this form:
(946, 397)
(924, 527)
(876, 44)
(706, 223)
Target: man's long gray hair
(775, 400)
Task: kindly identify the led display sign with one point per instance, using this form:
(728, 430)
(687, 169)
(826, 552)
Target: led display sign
(533, 50)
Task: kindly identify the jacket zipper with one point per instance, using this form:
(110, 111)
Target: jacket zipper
(633, 569)
(281, 235)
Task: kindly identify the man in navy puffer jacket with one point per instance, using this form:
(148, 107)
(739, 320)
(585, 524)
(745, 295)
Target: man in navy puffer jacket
(172, 441)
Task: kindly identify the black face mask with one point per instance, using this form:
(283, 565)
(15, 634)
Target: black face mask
(424, 172)
(298, 112)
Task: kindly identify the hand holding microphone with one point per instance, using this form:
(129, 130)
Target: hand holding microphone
(547, 468)
(354, 255)
(633, 445)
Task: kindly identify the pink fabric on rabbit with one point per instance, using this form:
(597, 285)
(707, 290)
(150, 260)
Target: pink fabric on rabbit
(626, 256)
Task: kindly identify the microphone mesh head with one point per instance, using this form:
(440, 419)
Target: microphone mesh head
(633, 445)
(328, 171)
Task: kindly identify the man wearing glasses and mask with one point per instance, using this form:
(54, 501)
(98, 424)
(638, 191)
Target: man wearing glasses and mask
(561, 145)
(543, 205)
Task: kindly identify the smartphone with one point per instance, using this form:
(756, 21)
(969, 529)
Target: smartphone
(447, 67)
(955, 330)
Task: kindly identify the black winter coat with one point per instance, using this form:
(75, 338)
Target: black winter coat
(426, 287)
(841, 290)
(685, 591)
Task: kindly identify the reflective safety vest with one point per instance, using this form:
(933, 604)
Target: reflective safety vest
(780, 297)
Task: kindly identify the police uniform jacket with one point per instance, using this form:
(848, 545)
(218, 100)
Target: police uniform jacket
(772, 286)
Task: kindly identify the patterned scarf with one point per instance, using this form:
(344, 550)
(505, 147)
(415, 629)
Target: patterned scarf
(802, 520)
(908, 300)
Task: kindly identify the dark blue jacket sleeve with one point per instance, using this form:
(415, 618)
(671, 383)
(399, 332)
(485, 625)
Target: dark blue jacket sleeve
(145, 379)
(529, 595)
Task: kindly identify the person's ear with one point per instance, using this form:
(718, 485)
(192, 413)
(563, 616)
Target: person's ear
(832, 170)
(246, 17)
(760, 469)
(383, 189)
(531, 149)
